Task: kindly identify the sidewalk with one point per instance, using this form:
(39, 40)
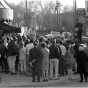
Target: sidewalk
(19, 81)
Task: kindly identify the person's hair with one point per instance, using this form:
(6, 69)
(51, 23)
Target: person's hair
(60, 42)
(53, 42)
(35, 43)
(79, 25)
(31, 40)
(43, 45)
(47, 41)
(0, 41)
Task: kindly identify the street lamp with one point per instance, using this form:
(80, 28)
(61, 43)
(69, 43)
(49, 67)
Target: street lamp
(57, 8)
(26, 14)
(75, 10)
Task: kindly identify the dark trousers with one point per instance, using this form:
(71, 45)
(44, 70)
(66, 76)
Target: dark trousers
(36, 73)
(17, 63)
(83, 75)
(62, 67)
(4, 64)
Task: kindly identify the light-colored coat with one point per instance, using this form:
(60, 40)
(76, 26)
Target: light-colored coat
(69, 59)
(22, 54)
(45, 59)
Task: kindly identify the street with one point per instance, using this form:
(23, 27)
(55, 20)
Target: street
(12, 81)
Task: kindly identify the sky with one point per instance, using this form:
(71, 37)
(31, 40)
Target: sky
(80, 3)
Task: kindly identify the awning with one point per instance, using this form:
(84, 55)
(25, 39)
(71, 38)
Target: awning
(9, 29)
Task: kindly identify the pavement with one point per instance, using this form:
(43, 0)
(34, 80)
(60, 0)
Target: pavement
(22, 81)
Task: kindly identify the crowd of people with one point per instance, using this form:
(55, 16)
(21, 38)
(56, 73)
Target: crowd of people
(48, 59)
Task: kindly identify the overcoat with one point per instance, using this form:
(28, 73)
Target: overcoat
(35, 56)
(82, 62)
(45, 59)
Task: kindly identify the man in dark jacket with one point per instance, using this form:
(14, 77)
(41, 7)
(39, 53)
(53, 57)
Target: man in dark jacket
(54, 56)
(35, 57)
(3, 59)
(12, 53)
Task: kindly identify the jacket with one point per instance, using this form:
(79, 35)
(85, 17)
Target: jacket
(12, 49)
(35, 56)
(54, 52)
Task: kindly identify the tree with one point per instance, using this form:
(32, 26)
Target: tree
(20, 18)
(47, 18)
(67, 18)
(43, 16)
